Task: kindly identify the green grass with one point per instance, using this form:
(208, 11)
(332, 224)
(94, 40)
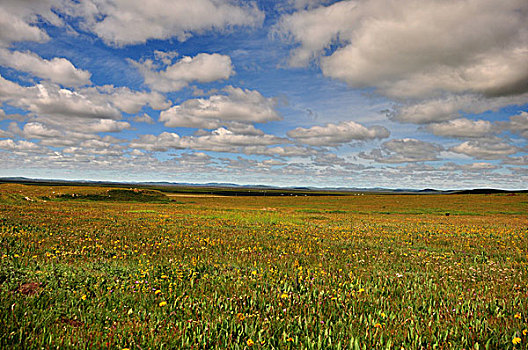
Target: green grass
(269, 273)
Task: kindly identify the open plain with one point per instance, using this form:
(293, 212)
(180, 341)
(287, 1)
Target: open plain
(99, 268)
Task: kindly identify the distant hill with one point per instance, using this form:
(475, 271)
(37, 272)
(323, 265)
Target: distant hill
(229, 189)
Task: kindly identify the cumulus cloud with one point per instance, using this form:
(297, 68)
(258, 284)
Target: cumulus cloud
(106, 102)
(451, 107)
(522, 160)
(462, 128)
(19, 146)
(50, 100)
(416, 48)
(125, 99)
(491, 148)
(18, 19)
(472, 167)
(219, 140)
(58, 70)
(280, 151)
(518, 124)
(404, 150)
(126, 22)
(337, 134)
(145, 118)
(239, 105)
(73, 134)
(202, 68)
(307, 4)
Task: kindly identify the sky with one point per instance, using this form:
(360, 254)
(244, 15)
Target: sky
(368, 93)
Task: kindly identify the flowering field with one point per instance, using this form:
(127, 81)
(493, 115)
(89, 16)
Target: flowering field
(192, 272)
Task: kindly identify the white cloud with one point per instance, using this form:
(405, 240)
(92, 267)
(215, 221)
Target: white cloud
(145, 118)
(125, 99)
(58, 70)
(239, 105)
(105, 125)
(462, 128)
(14, 29)
(19, 146)
(17, 19)
(404, 150)
(280, 151)
(451, 107)
(126, 22)
(307, 4)
(72, 134)
(50, 101)
(337, 134)
(518, 124)
(219, 140)
(34, 130)
(522, 160)
(472, 167)
(201, 68)
(491, 148)
(417, 48)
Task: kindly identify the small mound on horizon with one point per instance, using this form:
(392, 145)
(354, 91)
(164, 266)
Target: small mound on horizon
(119, 195)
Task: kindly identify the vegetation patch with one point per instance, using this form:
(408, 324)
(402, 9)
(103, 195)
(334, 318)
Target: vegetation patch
(119, 195)
(222, 273)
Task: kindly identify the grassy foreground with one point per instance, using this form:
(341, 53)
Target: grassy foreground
(350, 272)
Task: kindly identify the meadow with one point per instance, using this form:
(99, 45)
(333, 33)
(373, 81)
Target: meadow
(92, 268)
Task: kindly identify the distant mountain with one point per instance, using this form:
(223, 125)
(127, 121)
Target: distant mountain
(235, 189)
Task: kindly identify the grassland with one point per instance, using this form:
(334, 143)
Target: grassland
(80, 270)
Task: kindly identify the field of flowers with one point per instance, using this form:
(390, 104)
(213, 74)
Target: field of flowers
(209, 272)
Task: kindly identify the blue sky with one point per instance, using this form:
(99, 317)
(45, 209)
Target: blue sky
(378, 93)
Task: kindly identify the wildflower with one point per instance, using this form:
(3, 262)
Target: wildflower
(157, 292)
(383, 315)
(361, 290)
(525, 332)
(163, 303)
(517, 315)
(516, 340)
(250, 342)
(290, 339)
(164, 276)
(284, 296)
(377, 325)
(83, 297)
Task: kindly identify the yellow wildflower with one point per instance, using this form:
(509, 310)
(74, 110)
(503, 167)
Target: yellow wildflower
(83, 297)
(284, 295)
(516, 340)
(250, 342)
(163, 303)
(517, 315)
(157, 292)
